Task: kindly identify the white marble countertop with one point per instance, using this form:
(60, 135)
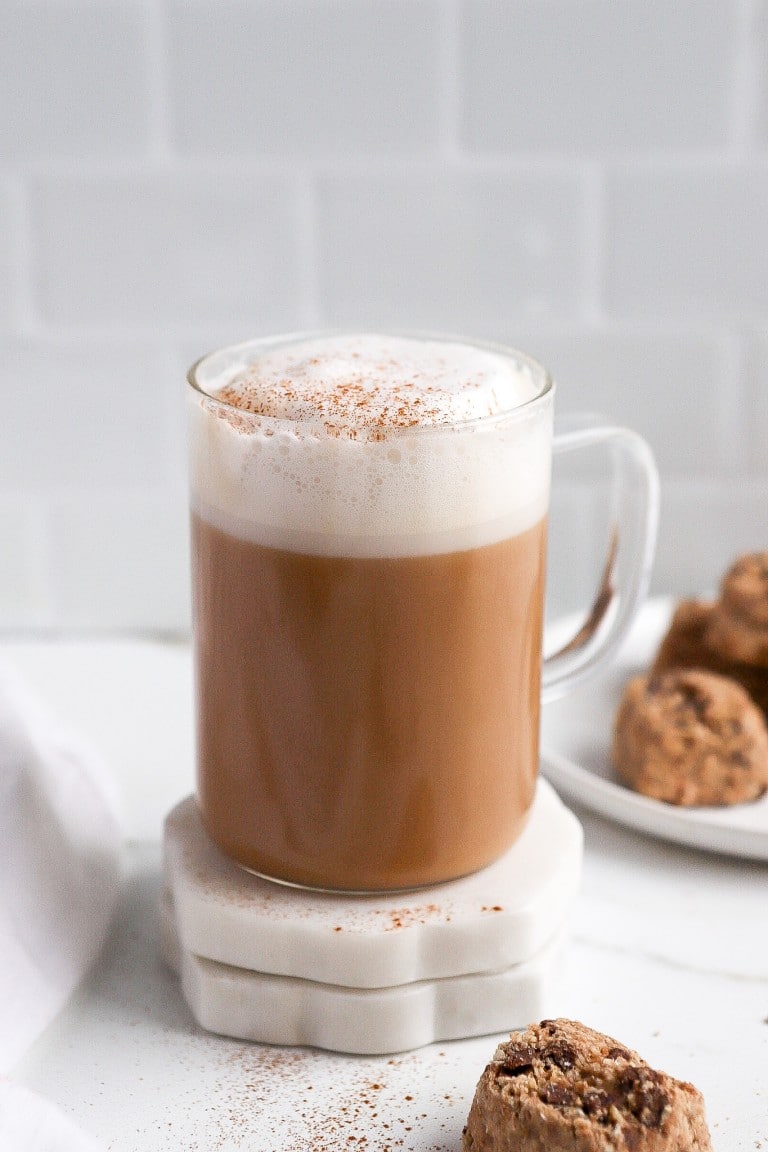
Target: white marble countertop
(668, 953)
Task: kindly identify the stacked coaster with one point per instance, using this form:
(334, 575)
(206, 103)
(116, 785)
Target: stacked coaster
(369, 974)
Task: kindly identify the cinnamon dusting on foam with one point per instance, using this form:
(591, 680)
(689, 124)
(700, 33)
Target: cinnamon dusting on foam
(306, 445)
(366, 386)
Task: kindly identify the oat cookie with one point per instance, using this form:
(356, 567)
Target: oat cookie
(561, 1087)
(738, 627)
(685, 646)
(691, 737)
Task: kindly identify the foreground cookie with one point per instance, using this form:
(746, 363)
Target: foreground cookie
(690, 737)
(561, 1087)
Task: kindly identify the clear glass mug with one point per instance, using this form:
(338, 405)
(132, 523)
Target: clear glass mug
(367, 626)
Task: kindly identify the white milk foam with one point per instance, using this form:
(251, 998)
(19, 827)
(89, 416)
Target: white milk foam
(369, 445)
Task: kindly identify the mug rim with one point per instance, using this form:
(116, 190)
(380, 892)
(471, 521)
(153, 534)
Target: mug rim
(229, 352)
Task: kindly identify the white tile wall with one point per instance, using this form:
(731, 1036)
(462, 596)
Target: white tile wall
(755, 451)
(460, 251)
(681, 390)
(25, 570)
(6, 258)
(687, 238)
(757, 65)
(597, 75)
(702, 523)
(303, 78)
(141, 559)
(164, 250)
(585, 178)
(74, 80)
(82, 415)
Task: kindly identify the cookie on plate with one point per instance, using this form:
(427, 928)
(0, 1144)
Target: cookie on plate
(738, 627)
(685, 645)
(562, 1087)
(691, 737)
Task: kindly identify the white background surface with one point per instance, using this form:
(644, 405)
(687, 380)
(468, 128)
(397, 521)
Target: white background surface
(584, 178)
(669, 954)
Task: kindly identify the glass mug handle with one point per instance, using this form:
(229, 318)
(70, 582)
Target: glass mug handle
(627, 567)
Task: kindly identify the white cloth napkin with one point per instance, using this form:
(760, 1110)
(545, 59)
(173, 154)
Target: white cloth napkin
(60, 869)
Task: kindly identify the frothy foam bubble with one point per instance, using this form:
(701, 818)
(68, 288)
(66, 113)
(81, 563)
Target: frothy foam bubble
(339, 445)
(366, 386)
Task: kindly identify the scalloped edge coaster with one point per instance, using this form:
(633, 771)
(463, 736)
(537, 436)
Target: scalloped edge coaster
(284, 1010)
(485, 922)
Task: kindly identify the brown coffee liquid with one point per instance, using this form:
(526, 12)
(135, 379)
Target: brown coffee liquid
(366, 724)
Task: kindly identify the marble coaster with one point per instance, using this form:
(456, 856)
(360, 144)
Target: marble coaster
(487, 922)
(284, 1010)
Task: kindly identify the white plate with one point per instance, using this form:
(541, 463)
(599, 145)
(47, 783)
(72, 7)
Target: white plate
(576, 735)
